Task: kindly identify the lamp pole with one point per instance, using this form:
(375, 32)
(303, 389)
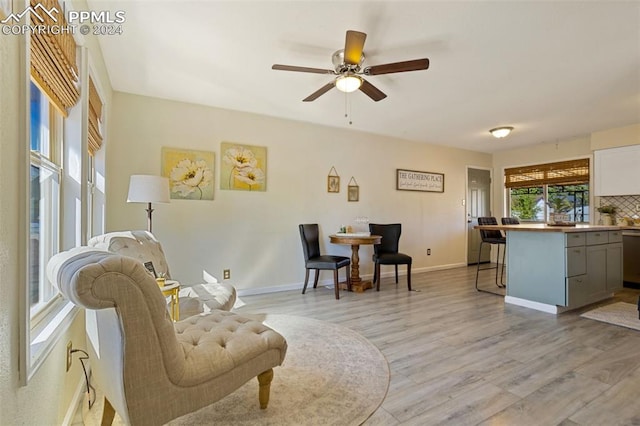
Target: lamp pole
(149, 211)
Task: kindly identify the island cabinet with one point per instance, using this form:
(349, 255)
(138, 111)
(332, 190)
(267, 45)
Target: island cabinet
(555, 271)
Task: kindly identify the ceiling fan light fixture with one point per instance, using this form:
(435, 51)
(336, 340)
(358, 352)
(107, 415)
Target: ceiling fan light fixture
(501, 132)
(348, 83)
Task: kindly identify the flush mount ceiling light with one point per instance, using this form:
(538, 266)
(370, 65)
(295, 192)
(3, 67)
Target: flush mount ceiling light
(348, 83)
(501, 132)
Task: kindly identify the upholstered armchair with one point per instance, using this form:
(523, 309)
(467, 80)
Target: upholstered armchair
(144, 246)
(150, 369)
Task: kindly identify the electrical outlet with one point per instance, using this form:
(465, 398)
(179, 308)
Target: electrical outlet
(226, 274)
(69, 357)
(428, 252)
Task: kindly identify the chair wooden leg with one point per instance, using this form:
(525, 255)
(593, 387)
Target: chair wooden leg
(409, 276)
(264, 379)
(348, 270)
(108, 413)
(336, 285)
(379, 278)
(306, 280)
(396, 273)
(315, 279)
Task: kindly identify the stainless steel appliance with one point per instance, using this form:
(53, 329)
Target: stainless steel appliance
(631, 257)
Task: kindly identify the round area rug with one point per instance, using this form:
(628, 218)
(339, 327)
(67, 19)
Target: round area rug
(331, 376)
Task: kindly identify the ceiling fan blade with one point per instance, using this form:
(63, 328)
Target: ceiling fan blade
(321, 91)
(372, 91)
(301, 69)
(404, 66)
(353, 46)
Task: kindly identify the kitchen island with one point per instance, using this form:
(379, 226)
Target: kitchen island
(558, 268)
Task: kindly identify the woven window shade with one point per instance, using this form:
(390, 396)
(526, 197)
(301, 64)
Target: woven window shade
(572, 172)
(53, 59)
(95, 114)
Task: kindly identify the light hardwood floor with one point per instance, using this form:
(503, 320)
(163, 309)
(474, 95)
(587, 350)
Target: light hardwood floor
(460, 357)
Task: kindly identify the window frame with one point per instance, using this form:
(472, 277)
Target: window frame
(50, 161)
(44, 326)
(545, 198)
(542, 182)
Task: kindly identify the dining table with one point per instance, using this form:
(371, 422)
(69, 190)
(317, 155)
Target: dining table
(355, 240)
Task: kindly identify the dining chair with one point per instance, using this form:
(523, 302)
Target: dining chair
(313, 259)
(491, 237)
(386, 253)
(510, 221)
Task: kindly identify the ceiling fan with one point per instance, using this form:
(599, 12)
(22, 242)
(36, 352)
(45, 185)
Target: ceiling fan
(348, 69)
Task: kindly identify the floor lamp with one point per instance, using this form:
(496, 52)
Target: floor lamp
(148, 189)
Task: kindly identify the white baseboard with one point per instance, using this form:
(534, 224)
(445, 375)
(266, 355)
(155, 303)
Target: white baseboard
(543, 307)
(76, 400)
(329, 282)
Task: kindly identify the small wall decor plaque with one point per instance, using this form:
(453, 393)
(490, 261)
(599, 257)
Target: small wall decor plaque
(333, 181)
(353, 191)
(412, 180)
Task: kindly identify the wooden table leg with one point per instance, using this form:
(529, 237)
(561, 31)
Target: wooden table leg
(357, 284)
(355, 265)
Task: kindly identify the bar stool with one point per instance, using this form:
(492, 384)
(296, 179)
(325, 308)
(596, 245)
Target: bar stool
(510, 221)
(491, 237)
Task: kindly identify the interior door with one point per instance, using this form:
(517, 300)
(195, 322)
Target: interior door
(478, 205)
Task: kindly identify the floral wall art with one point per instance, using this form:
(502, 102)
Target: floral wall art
(190, 173)
(243, 167)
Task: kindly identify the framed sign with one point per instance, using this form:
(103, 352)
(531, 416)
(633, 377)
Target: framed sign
(412, 180)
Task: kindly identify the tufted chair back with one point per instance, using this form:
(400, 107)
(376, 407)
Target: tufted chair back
(140, 357)
(141, 245)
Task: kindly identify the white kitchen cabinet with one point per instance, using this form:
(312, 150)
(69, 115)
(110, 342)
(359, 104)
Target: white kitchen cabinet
(616, 171)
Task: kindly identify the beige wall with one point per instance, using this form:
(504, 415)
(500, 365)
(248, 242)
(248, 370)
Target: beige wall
(621, 136)
(256, 234)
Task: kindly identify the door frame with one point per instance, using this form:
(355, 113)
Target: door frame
(466, 206)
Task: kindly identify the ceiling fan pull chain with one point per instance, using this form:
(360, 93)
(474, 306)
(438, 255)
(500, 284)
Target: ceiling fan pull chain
(347, 107)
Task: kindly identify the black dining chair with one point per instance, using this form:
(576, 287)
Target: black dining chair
(386, 253)
(491, 237)
(510, 221)
(310, 237)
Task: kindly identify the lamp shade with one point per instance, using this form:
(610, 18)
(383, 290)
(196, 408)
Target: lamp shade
(148, 189)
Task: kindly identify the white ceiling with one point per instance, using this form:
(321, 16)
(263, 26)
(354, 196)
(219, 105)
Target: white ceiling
(554, 70)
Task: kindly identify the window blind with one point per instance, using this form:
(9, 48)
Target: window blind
(53, 58)
(95, 115)
(572, 172)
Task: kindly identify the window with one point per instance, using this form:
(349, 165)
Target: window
(49, 313)
(535, 192)
(52, 89)
(44, 206)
